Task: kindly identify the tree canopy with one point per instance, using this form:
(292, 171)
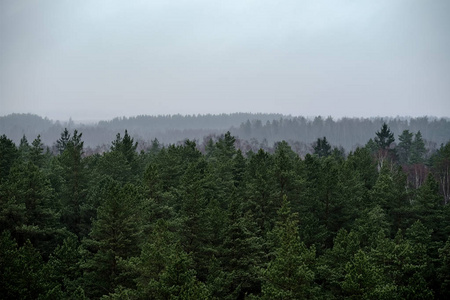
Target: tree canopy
(183, 221)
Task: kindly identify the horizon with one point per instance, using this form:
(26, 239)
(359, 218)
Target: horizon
(263, 129)
(309, 118)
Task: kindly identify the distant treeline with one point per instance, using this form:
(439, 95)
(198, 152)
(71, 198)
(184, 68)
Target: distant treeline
(252, 131)
(346, 132)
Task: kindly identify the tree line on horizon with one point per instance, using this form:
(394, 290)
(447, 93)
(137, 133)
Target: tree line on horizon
(174, 222)
(252, 131)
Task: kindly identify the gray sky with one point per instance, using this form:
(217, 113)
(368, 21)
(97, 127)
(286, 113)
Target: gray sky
(99, 59)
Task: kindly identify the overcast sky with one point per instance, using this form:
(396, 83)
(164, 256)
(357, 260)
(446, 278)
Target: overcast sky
(99, 59)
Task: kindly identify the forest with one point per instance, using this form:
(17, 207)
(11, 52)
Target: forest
(180, 221)
(251, 131)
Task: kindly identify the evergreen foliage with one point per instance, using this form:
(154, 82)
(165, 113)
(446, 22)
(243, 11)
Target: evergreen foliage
(385, 137)
(211, 221)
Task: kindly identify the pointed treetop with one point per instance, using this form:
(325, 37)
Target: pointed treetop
(384, 138)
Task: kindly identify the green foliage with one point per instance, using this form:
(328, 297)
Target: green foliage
(126, 146)
(259, 194)
(165, 271)
(27, 208)
(242, 254)
(285, 165)
(390, 195)
(320, 203)
(176, 223)
(61, 143)
(22, 272)
(8, 154)
(418, 149)
(289, 274)
(364, 280)
(115, 235)
(322, 148)
(362, 163)
(404, 263)
(331, 265)
(441, 168)
(404, 147)
(73, 182)
(444, 270)
(385, 137)
(64, 268)
(36, 152)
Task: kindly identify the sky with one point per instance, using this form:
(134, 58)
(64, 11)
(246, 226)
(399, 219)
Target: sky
(99, 59)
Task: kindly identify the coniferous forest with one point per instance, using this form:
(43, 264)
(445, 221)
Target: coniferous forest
(178, 221)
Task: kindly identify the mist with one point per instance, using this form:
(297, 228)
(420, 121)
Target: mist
(96, 60)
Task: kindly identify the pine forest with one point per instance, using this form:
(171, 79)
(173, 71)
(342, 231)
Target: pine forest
(216, 220)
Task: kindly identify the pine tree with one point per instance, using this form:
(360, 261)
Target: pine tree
(289, 275)
(62, 142)
(28, 211)
(319, 200)
(115, 236)
(384, 138)
(37, 152)
(390, 195)
(24, 149)
(242, 255)
(165, 271)
(126, 146)
(427, 207)
(8, 154)
(284, 170)
(64, 268)
(322, 148)
(222, 162)
(193, 229)
(441, 169)
(444, 270)
(418, 149)
(351, 195)
(74, 184)
(259, 194)
(332, 264)
(363, 164)
(364, 279)
(404, 147)
(404, 264)
(22, 272)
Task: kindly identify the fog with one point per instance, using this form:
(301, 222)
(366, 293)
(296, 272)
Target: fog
(92, 60)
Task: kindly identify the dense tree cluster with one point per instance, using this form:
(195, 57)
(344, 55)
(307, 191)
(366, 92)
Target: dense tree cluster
(174, 222)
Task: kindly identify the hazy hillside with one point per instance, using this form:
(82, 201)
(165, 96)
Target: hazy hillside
(251, 130)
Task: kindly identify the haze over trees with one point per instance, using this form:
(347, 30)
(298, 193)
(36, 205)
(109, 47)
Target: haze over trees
(180, 221)
(252, 131)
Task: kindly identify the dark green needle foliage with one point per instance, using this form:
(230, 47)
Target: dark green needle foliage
(8, 154)
(322, 148)
(289, 275)
(385, 137)
(231, 222)
(404, 147)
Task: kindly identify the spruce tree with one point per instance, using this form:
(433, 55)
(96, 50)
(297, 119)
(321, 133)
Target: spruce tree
(384, 138)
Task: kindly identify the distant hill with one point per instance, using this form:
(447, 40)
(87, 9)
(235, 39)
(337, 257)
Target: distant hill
(252, 130)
